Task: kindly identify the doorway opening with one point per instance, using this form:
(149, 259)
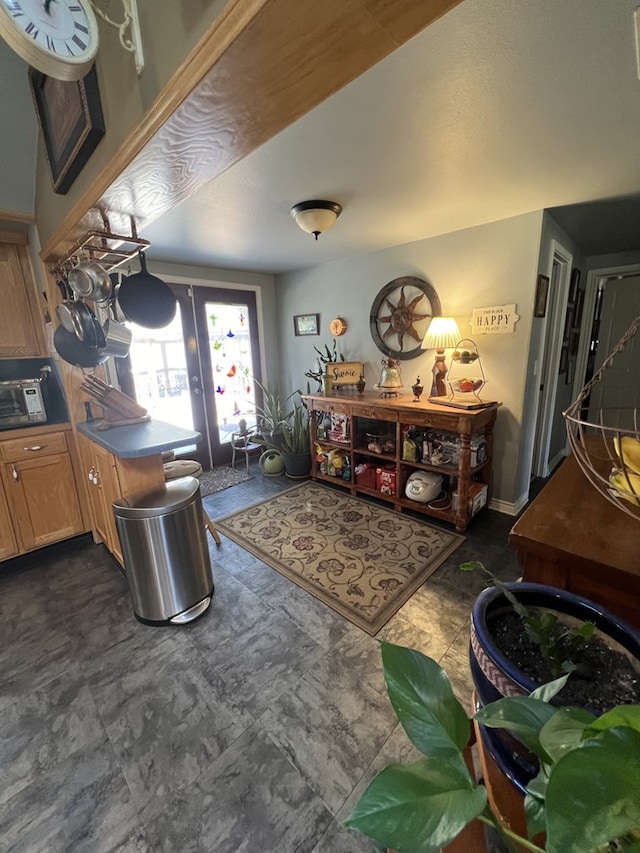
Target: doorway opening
(198, 372)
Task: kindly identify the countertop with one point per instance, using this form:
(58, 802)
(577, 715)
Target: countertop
(148, 439)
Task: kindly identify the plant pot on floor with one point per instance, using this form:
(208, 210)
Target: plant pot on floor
(495, 674)
(297, 465)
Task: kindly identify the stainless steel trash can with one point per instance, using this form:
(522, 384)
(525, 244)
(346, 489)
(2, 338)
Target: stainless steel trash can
(165, 550)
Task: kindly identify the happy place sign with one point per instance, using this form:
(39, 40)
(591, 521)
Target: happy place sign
(498, 319)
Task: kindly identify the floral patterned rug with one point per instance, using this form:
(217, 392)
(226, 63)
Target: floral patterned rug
(361, 559)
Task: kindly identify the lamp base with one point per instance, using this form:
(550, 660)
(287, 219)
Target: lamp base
(439, 370)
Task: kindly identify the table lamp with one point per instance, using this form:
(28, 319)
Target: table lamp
(442, 333)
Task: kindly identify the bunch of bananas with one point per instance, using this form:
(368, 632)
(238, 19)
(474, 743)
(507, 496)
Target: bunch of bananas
(626, 482)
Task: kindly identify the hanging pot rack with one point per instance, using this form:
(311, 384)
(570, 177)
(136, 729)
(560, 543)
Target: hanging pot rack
(108, 249)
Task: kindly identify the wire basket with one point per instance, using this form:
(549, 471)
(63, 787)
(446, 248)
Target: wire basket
(608, 455)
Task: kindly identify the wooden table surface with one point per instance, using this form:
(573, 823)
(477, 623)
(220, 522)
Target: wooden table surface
(572, 537)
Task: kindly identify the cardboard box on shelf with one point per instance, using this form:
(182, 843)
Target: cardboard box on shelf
(386, 479)
(477, 497)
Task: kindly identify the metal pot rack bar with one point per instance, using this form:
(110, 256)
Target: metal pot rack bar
(109, 249)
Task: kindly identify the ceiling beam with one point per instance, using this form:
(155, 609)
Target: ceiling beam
(259, 68)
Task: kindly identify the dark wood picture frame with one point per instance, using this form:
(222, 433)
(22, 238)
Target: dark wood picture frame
(306, 324)
(564, 358)
(71, 121)
(568, 325)
(542, 293)
(577, 319)
(571, 372)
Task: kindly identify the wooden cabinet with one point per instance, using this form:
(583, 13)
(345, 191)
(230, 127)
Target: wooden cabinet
(109, 478)
(42, 503)
(367, 433)
(8, 544)
(21, 326)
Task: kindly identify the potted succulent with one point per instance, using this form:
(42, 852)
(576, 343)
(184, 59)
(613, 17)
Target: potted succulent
(584, 799)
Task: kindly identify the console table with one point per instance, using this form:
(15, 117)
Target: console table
(572, 537)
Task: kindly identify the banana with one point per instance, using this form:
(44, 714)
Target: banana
(626, 488)
(628, 449)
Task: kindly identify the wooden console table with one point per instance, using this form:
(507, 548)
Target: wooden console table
(572, 537)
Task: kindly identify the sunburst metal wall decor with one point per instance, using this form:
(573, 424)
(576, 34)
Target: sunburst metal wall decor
(400, 315)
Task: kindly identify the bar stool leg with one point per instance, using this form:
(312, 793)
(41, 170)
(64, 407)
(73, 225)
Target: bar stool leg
(211, 527)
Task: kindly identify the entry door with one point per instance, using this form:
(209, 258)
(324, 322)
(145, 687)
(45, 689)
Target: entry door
(619, 387)
(199, 371)
(228, 359)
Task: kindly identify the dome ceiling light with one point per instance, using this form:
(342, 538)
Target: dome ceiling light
(316, 216)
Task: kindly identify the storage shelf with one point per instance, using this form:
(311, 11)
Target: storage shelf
(392, 416)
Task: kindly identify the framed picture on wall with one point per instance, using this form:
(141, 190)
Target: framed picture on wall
(542, 293)
(571, 371)
(575, 284)
(564, 356)
(306, 324)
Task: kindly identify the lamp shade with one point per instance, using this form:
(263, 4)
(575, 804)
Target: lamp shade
(316, 216)
(443, 333)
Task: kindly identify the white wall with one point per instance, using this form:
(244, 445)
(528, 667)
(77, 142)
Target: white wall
(18, 135)
(487, 265)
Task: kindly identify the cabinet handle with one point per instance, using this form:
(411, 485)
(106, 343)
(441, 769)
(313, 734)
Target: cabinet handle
(35, 447)
(91, 475)
(14, 473)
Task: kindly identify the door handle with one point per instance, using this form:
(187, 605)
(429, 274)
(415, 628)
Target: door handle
(14, 473)
(34, 448)
(196, 391)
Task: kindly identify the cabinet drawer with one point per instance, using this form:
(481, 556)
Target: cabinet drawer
(31, 447)
(326, 406)
(376, 413)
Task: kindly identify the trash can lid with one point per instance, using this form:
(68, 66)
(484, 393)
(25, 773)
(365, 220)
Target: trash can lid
(174, 495)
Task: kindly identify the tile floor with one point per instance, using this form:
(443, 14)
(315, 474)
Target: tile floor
(252, 730)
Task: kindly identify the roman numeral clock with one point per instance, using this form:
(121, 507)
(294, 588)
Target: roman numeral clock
(58, 37)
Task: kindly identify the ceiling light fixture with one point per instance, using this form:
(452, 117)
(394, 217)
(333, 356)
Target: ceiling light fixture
(316, 216)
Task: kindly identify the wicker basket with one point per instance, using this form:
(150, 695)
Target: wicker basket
(608, 455)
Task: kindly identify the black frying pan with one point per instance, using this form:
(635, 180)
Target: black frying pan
(75, 351)
(146, 300)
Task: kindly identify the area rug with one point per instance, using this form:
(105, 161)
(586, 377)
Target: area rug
(221, 478)
(360, 559)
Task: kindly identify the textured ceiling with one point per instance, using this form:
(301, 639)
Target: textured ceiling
(497, 109)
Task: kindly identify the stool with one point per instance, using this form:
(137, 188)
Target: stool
(181, 468)
(176, 468)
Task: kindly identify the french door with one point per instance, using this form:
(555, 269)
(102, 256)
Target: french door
(199, 371)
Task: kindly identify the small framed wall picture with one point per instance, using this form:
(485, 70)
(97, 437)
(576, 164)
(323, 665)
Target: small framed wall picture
(542, 294)
(575, 284)
(71, 121)
(306, 324)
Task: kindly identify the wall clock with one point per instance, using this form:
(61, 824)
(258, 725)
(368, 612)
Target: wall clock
(338, 327)
(400, 315)
(58, 37)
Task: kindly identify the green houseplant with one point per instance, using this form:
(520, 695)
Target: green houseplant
(584, 798)
(296, 447)
(273, 412)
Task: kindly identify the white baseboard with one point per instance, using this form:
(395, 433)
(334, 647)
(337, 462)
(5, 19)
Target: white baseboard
(509, 507)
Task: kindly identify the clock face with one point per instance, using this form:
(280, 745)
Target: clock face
(338, 327)
(58, 37)
(400, 315)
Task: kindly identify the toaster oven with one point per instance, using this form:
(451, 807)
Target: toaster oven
(21, 403)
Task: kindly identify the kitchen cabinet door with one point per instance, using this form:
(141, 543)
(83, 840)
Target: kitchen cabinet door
(21, 327)
(43, 496)
(8, 544)
(99, 467)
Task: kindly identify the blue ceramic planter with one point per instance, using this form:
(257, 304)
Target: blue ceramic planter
(495, 676)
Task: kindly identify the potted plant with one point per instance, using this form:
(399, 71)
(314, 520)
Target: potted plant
(296, 447)
(523, 635)
(329, 356)
(274, 411)
(584, 799)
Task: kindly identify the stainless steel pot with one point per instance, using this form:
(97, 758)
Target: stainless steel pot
(118, 339)
(89, 280)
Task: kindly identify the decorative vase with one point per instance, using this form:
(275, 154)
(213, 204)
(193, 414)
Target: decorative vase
(327, 386)
(271, 463)
(495, 676)
(417, 390)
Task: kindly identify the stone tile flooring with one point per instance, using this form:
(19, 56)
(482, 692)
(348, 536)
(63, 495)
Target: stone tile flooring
(252, 730)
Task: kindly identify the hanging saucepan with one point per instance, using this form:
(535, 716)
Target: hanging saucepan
(89, 280)
(75, 351)
(146, 300)
(116, 280)
(118, 338)
(63, 309)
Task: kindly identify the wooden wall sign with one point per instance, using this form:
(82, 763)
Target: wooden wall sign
(496, 320)
(344, 372)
